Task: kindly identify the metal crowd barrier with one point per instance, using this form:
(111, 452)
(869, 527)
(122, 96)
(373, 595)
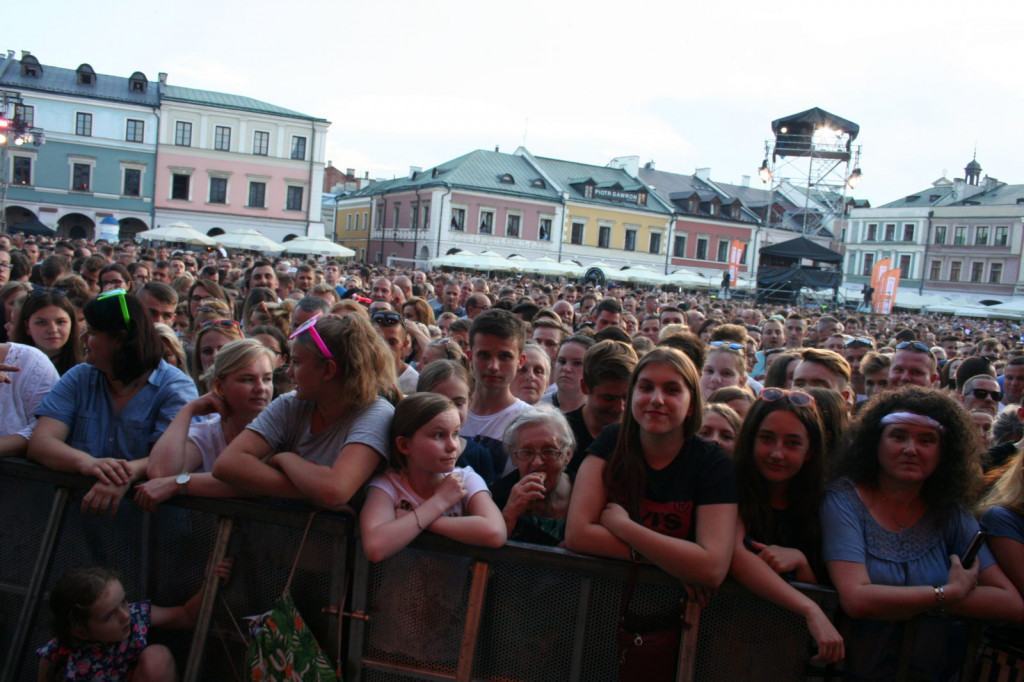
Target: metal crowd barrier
(439, 610)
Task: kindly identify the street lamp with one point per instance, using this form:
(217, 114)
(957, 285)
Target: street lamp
(854, 179)
(764, 172)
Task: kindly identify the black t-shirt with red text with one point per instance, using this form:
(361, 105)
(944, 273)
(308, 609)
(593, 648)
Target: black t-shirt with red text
(701, 474)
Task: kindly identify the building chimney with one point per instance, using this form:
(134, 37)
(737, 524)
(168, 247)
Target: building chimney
(163, 78)
(413, 170)
(366, 176)
(350, 172)
(24, 53)
(497, 148)
(959, 184)
(703, 173)
(745, 180)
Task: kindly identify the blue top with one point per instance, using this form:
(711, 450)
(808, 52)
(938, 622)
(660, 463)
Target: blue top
(918, 555)
(1003, 523)
(81, 400)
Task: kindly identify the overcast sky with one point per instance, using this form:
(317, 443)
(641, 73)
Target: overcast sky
(685, 84)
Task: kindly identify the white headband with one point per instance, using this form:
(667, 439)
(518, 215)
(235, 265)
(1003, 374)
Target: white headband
(912, 418)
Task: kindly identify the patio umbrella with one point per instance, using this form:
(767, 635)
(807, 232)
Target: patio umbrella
(317, 246)
(176, 232)
(450, 260)
(552, 268)
(250, 240)
(485, 261)
(639, 274)
(687, 278)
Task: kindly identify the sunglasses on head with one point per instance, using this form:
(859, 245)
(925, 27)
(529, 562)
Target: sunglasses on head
(219, 323)
(914, 345)
(860, 341)
(729, 345)
(310, 326)
(981, 394)
(383, 318)
(796, 398)
(35, 293)
(119, 294)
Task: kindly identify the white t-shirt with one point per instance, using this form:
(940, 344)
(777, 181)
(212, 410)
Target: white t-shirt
(20, 399)
(396, 485)
(489, 430)
(208, 437)
(407, 380)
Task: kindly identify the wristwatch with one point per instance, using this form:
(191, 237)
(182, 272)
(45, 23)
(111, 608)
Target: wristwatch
(182, 481)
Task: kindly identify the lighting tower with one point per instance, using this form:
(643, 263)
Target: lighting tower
(811, 161)
(15, 131)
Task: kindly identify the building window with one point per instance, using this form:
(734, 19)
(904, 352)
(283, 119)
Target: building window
(908, 232)
(512, 225)
(182, 134)
(905, 266)
(426, 216)
(981, 236)
(486, 222)
(976, 270)
(298, 148)
(459, 219)
(222, 139)
(723, 251)
(940, 234)
(869, 264)
(26, 112)
(995, 273)
(414, 217)
(954, 271)
(935, 270)
(576, 234)
(218, 190)
(679, 246)
(544, 232)
(22, 171)
(398, 214)
(135, 130)
(261, 143)
(702, 248)
(872, 232)
(604, 236)
(890, 232)
(257, 194)
(180, 185)
(83, 124)
(1002, 236)
(132, 182)
(293, 200)
(959, 235)
(348, 222)
(655, 243)
(630, 242)
(81, 177)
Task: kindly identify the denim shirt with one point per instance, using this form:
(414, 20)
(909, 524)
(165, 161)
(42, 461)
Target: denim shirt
(81, 400)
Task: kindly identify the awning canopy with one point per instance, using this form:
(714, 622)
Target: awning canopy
(795, 250)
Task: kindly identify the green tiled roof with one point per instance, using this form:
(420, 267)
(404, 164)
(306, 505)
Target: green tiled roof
(569, 173)
(177, 93)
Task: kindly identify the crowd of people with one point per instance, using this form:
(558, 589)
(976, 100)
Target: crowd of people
(709, 437)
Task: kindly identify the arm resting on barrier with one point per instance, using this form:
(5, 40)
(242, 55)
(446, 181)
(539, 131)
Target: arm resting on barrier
(757, 576)
(13, 446)
(243, 466)
(330, 487)
(48, 447)
(156, 491)
(483, 526)
(174, 453)
(860, 598)
(1010, 555)
(583, 530)
(994, 598)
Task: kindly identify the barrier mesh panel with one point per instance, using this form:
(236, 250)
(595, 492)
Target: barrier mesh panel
(417, 607)
(746, 638)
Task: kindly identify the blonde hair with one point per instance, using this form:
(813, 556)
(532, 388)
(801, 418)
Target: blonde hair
(1008, 490)
(234, 356)
(170, 339)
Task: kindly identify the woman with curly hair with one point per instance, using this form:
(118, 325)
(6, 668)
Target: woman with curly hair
(894, 524)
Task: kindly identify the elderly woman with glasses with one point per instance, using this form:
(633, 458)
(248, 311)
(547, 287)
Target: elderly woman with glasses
(534, 498)
(104, 415)
(894, 525)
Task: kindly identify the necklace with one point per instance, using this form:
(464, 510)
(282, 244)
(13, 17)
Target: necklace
(892, 513)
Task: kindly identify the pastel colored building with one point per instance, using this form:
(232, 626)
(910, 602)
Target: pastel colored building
(228, 162)
(98, 160)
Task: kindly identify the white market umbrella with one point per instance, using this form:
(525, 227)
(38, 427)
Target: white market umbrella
(485, 261)
(687, 278)
(177, 232)
(552, 268)
(639, 274)
(450, 260)
(318, 246)
(250, 240)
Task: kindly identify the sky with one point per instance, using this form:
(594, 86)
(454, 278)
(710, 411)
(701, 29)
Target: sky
(686, 85)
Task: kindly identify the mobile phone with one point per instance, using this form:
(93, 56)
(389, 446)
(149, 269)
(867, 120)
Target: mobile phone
(972, 549)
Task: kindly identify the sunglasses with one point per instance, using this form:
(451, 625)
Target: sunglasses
(727, 344)
(119, 294)
(796, 398)
(981, 394)
(219, 323)
(860, 341)
(385, 319)
(914, 345)
(310, 326)
(35, 293)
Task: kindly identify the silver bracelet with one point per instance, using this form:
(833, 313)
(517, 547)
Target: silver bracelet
(420, 526)
(940, 594)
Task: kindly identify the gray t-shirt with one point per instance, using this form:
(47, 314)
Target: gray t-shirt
(286, 421)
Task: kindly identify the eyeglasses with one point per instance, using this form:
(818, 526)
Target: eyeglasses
(860, 340)
(120, 294)
(382, 318)
(727, 345)
(914, 345)
(35, 293)
(310, 326)
(981, 394)
(5, 266)
(219, 323)
(796, 398)
(547, 454)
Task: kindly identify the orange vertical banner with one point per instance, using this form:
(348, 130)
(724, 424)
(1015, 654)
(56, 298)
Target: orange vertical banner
(735, 258)
(890, 284)
(878, 272)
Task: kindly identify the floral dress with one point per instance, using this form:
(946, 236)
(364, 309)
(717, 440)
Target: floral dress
(106, 661)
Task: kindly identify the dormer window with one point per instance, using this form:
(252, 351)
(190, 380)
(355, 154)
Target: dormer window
(692, 205)
(641, 198)
(539, 184)
(507, 179)
(138, 82)
(30, 66)
(86, 76)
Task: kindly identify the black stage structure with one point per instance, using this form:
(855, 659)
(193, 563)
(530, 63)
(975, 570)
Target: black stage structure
(781, 274)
